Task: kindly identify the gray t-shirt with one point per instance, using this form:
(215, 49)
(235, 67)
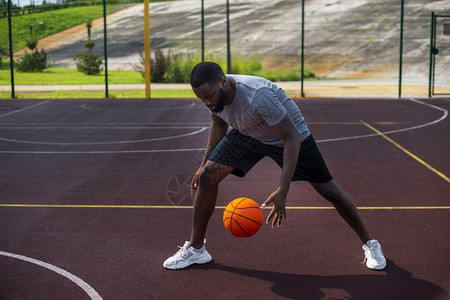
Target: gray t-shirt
(259, 104)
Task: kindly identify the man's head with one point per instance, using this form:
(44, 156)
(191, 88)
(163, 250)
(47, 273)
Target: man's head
(206, 72)
(209, 84)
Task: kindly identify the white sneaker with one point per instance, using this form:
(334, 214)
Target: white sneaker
(186, 256)
(374, 256)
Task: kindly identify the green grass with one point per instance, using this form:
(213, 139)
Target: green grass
(53, 22)
(60, 76)
(283, 75)
(166, 93)
(159, 93)
(66, 76)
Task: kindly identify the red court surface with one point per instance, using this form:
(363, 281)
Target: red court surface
(95, 196)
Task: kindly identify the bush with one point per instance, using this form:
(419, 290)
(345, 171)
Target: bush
(3, 53)
(88, 63)
(170, 68)
(89, 44)
(180, 68)
(248, 67)
(141, 66)
(176, 68)
(31, 43)
(159, 66)
(35, 61)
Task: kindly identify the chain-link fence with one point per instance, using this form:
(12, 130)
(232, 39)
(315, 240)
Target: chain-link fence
(350, 48)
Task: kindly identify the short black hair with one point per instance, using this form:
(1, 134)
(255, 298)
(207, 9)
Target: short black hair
(206, 72)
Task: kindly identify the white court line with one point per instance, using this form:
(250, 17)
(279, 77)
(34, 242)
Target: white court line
(102, 152)
(82, 284)
(397, 130)
(202, 149)
(106, 143)
(98, 127)
(86, 107)
(25, 108)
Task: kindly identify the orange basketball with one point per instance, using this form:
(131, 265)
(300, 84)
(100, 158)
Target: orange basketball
(243, 217)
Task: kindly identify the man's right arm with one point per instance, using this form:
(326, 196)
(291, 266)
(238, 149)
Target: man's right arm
(217, 131)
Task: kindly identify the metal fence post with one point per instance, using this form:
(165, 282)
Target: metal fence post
(11, 54)
(148, 72)
(203, 32)
(431, 53)
(228, 40)
(302, 94)
(105, 49)
(401, 51)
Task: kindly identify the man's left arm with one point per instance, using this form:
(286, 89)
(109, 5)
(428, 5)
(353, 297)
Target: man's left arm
(287, 131)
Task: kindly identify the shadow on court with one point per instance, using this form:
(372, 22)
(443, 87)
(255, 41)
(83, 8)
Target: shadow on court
(392, 283)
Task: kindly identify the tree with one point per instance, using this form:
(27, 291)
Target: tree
(88, 62)
(36, 61)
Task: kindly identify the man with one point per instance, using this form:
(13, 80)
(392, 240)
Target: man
(265, 122)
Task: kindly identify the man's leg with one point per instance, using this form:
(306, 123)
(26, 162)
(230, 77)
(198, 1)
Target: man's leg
(205, 199)
(344, 205)
(194, 252)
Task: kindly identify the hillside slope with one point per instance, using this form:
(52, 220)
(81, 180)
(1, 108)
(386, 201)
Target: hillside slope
(343, 39)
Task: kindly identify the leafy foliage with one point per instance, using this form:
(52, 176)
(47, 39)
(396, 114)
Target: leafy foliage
(88, 63)
(35, 61)
(176, 68)
(170, 68)
(159, 65)
(3, 53)
(31, 43)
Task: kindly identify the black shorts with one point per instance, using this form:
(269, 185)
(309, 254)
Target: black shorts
(243, 152)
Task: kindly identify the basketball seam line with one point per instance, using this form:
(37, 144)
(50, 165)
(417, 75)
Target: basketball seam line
(233, 213)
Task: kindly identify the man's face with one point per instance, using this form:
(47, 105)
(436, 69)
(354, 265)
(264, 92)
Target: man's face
(213, 96)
